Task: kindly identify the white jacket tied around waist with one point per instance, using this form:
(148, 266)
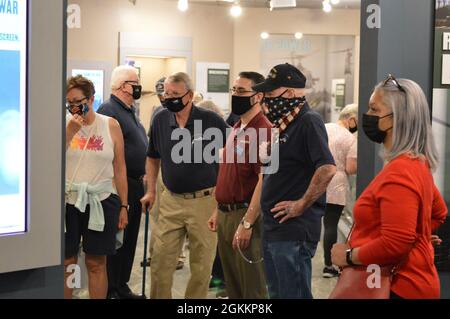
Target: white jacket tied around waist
(89, 195)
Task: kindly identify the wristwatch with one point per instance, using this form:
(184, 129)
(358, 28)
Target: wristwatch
(348, 257)
(127, 207)
(246, 224)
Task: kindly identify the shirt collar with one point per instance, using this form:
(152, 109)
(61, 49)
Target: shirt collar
(193, 116)
(122, 104)
(252, 122)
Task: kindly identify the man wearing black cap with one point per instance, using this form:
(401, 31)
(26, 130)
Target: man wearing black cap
(293, 196)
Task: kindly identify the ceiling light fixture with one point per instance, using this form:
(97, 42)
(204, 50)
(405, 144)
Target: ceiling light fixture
(264, 35)
(236, 10)
(183, 5)
(298, 35)
(327, 6)
(335, 2)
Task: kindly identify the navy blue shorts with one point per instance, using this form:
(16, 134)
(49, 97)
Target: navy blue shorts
(94, 242)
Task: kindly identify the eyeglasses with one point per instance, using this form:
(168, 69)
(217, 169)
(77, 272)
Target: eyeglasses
(132, 82)
(76, 103)
(239, 91)
(392, 79)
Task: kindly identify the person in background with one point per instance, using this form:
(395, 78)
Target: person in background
(237, 219)
(198, 97)
(95, 174)
(293, 197)
(343, 146)
(211, 106)
(217, 276)
(126, 89)
(398, 211)
(187, 201)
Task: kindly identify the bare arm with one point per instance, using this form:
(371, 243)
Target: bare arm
(351, 166)
(120, 171)
(151, 174)
(243, 236)
(255, 207)
(318, 186)
(319, 183)
(72, 128)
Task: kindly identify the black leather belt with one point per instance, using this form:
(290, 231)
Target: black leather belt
(232, 207)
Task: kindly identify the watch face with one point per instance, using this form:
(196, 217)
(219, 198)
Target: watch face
(247, 225)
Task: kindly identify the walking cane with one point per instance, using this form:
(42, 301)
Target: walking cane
(144, 269)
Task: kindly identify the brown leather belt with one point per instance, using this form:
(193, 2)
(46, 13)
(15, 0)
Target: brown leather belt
(193, 195)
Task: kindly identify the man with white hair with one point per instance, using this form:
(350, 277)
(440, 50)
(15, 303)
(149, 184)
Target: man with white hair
(126, 88)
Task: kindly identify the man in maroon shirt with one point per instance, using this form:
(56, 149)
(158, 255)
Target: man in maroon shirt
(238, 194)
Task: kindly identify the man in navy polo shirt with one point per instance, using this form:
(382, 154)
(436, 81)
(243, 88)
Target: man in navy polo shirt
(181, 139)
(126, 88)
(293, 197)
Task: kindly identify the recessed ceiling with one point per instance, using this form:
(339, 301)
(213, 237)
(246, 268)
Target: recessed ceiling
(311, 4)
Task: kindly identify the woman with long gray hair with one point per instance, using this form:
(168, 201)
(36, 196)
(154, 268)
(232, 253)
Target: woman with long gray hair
(397, 213)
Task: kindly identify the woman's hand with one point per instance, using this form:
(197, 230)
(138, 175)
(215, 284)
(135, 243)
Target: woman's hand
(339, 254)
(435, 240)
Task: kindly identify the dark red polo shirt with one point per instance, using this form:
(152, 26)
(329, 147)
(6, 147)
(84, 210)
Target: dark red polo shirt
(240, 166)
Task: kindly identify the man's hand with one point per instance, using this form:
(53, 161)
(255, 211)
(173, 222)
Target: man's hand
(147, 201)
(242, 238)
(288, 210)
(212, 222)
(123, 218)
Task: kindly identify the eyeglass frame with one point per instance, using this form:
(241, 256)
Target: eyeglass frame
(395, 81)
(234, 91)
(74, 104)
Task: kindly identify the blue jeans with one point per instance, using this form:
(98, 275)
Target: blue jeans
(288, 268)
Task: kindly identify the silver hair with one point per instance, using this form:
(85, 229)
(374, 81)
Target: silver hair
(181, 77)
(349, 111)
(119, 75)
(412, 131)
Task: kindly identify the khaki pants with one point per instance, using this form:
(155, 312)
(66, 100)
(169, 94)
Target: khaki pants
(242, 279)
(154, 218)
(178, 217)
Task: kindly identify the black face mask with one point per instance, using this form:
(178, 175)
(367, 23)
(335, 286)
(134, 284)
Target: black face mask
(353, 129)
(175, 104)
(241, 104)
(371, 128)
(137, 91)
(280, 106)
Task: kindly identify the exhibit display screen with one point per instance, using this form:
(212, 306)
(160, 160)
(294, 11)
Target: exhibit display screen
(13, 114)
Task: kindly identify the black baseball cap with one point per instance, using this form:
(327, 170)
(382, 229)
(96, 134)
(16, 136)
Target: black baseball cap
(282, 75)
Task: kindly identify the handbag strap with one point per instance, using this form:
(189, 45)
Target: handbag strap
(79, 160)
